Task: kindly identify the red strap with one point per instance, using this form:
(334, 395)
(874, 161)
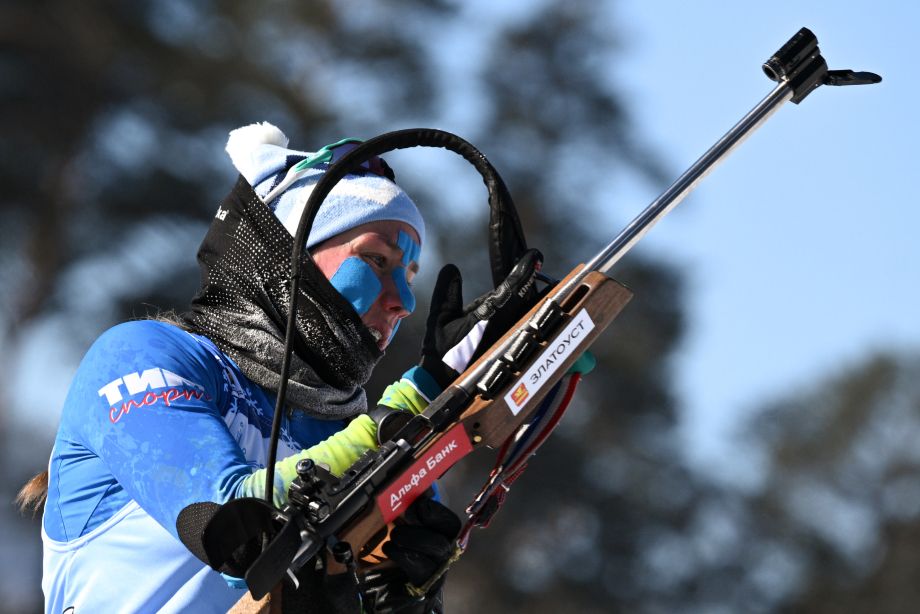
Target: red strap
(500, 478)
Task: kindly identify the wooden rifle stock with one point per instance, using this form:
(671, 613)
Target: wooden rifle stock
(490, 422)
(481, 422)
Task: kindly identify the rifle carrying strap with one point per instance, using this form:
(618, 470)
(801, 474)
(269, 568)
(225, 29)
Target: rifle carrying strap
(514, 454)
(509, 466)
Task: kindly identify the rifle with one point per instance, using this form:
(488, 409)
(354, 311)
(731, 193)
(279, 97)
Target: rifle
(506, 399)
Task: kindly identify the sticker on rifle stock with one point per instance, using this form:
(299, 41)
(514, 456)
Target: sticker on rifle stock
(454, 445)
(560, 348)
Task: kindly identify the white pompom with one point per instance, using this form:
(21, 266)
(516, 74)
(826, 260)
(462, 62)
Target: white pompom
(244, 140)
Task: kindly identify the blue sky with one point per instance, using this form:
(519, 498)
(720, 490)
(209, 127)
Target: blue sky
(799, 251)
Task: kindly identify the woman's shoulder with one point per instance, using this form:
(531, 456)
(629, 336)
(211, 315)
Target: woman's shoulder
(144, 330)
(149, 336)
(144, 345)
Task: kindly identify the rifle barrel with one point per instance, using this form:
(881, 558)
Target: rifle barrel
(684, 184)
(798, 68)
(629, 236)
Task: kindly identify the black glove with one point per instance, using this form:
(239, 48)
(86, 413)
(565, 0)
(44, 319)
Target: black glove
(424, 541)
(456, 335)
(321, 593)
(419, 545)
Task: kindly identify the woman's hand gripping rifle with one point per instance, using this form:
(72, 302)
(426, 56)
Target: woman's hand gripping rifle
(486, 405)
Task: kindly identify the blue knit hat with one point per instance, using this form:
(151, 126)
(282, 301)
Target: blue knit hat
(284, 179)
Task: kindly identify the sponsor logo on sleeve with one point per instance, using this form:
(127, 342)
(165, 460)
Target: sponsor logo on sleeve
(146, 388)
(454, 445)
(572, 336)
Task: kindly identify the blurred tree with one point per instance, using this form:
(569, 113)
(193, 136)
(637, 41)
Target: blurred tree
(114, 116)
(839, 510)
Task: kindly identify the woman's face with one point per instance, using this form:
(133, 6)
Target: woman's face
(372, 266)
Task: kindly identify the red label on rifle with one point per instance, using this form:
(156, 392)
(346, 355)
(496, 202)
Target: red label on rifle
(454, 445)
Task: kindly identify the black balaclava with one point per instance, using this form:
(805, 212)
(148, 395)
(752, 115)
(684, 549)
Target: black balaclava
(243, 304)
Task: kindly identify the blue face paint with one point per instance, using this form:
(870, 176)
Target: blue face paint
(357, 282)
(411, 251)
